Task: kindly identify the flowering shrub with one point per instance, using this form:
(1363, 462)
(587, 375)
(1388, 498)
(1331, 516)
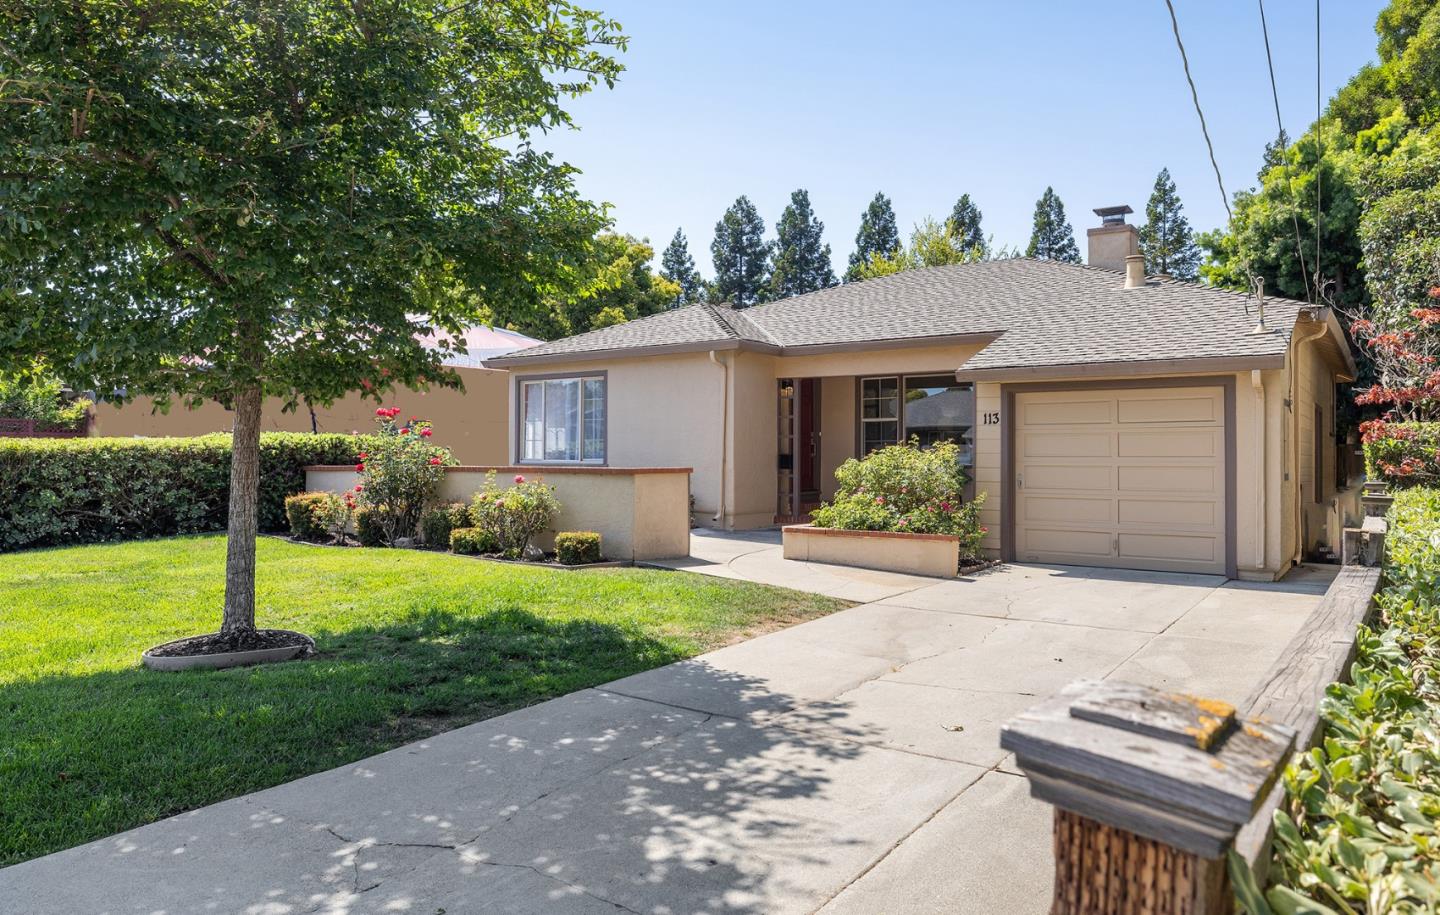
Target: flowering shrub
(513, 516)
(906, 489)
(400, 474)
(1402, 454)
(1401, 444)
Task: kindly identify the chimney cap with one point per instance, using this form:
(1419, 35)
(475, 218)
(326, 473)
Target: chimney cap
(1112, 215)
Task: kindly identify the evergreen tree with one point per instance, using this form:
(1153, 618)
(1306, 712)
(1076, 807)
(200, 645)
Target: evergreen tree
(677, 266)
(1166, 239)
(802, 260)
(878, 236)
(1274, 153)
(741, 255)
(964, 224)
(1052, 238)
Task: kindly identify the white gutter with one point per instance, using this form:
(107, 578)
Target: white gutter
(1257, 381)
(724, 432)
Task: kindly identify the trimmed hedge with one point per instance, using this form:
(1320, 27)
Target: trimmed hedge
(306, 513)
(93, 490)
(1403, 454)
(437, 523)
(575, 548)
(471, 541)
(1359, 832)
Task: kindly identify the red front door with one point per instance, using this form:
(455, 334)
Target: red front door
(809, 434)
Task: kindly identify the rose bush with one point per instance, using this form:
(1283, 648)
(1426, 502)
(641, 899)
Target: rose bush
(400, 472)
(512, 517)
(906, 489)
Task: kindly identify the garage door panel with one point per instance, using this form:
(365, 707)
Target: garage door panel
(1126, 478)
(1180, 409)
(1167, 512)
(1196, 548)
(1051, 508)
(1068, 477)
(1078, 545)
(1158, 478)
(1186, 443)
(1066, 444)
(1066, 413)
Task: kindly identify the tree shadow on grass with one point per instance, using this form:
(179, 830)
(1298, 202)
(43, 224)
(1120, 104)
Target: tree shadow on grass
(596, 802)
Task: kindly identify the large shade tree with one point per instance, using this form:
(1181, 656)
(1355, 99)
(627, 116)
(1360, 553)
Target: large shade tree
(220, 201)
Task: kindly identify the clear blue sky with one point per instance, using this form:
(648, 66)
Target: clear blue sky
(928, 100)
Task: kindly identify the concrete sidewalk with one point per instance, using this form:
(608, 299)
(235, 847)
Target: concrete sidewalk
(849, 764)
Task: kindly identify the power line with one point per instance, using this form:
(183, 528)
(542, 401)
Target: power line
(1284, 158)
(1195, 97)
(1319, 154)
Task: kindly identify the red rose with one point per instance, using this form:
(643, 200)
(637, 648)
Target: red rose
(364, 455)
(435, 462)
(381, 411)
(359, 468)
(519, 478)
(425, 432)
(359, 487)
(405, 431)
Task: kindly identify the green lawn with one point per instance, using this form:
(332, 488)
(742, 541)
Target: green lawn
(409, 643)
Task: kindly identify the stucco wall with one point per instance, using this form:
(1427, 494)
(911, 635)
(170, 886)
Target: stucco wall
(472, 423)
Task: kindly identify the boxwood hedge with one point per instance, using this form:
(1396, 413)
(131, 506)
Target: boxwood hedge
(90, 490)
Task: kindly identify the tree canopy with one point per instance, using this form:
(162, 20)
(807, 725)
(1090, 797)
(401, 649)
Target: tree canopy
(802, 259)
(617, 286)
(1052, 238)
(741, 255)
(1165, 239)
(219, 201)
(964, 223)
(878, 236)
(677, 266)
(932, 244)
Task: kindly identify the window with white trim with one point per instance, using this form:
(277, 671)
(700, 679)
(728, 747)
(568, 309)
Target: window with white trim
(563, 419)
(879, 413)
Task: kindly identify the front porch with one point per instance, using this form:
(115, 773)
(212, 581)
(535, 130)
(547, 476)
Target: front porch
(823, 421)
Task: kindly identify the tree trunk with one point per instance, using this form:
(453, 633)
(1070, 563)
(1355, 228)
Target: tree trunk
(244, 503)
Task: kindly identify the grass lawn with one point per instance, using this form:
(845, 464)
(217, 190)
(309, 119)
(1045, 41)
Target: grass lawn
(409, 643)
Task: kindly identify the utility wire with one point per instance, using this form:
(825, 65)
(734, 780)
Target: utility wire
(1284, 157)
(1319, 155)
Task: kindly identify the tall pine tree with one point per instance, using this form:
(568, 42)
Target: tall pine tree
(964, 224)
(802, 259)
(878, 236)
(677, 266)
(741, 255)
(1052, 239)
(1166, 239)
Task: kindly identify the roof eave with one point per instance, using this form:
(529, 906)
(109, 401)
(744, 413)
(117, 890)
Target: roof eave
(1205, 365)
(519, 361)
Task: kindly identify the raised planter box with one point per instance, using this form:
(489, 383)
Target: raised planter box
(936, 555)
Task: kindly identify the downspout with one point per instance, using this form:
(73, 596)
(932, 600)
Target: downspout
(1294, 426)
(1257, 381)
(724, 432)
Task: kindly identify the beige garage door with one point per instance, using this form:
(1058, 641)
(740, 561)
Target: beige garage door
(1133, 479)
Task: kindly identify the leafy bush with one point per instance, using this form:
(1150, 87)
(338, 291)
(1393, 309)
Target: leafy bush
(471, 541)
(308, 514)
(400, 474)
(513, 516)
(368, 529)
(1359, 830)
(575, 548)
(437, 523)
(90, 490)
(1402, 454)
(907, 489)
(41, 398)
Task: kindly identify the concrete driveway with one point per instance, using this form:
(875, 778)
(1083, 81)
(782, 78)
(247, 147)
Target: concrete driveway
(849, 764)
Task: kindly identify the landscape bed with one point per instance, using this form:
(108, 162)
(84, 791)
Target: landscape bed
(408, 643)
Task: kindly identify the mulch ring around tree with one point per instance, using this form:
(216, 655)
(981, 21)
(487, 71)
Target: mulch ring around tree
(227, 642)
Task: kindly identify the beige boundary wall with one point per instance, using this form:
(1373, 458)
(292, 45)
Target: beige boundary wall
(640, 513)
(936, 555)
(472, 422)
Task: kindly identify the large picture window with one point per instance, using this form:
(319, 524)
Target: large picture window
(932, 408)
(563, 419)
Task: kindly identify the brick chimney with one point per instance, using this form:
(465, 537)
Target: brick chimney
(1113, 240)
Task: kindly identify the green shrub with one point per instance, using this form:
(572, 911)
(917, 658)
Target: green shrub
(437, 523)
(309, 514)
(1402, 454)
(400, 471)
(512, 517)
(908, 489)
(1358, 832)
(91, 490)
(368, 529)
(575, 548)
(41, 397)
(471, 541)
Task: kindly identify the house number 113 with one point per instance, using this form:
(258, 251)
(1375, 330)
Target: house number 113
(992, 419)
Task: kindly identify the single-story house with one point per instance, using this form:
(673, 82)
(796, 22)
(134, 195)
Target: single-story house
(470, 422)
(1110, 418)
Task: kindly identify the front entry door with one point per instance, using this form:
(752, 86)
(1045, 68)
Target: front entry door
(809, 435)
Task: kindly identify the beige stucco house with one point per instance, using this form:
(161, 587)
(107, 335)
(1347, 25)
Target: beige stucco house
(1111, 419)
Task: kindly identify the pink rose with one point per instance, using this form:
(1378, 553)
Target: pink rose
(425, 432)
(519, 478)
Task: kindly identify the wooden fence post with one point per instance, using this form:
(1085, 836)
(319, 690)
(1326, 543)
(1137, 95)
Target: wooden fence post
(1149, 788)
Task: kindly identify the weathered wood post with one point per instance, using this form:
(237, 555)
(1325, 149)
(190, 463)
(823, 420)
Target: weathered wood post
(1149, 790)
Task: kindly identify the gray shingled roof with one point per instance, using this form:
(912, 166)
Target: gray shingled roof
(1042, 313)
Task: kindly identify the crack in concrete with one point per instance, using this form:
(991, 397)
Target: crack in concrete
(563, 882)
